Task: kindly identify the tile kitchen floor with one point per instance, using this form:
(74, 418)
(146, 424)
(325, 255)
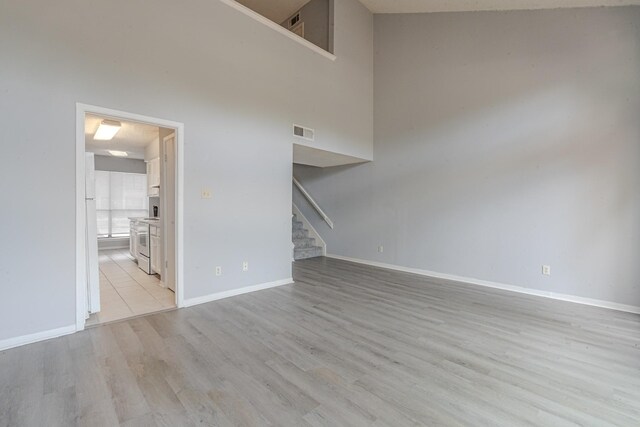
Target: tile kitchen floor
(127, 291)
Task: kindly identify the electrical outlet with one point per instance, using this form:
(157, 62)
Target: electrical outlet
(380, 248)
(218, 271)
(245, 266)
(205, 193)
(546, 270)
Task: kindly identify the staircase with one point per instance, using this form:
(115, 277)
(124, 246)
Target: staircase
(305, 246)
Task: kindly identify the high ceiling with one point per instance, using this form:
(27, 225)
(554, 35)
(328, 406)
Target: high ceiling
(132, 138)
(279, 10)
(420, 6)
(276, 10)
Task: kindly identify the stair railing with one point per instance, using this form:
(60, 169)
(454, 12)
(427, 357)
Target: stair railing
(312, 202)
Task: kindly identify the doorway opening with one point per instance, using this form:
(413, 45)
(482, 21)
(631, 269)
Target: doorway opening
(311, 21)
(128, 215)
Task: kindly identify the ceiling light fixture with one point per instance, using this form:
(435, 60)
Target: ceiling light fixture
(107, 130)
(118, 153)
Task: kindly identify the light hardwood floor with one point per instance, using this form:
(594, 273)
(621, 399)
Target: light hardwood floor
(346, 345)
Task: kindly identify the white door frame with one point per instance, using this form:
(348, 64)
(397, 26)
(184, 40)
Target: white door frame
(81, 278)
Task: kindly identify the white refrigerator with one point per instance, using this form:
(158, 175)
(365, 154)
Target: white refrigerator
(91, 236)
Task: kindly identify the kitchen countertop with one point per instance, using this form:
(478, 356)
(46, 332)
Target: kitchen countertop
(149, 221)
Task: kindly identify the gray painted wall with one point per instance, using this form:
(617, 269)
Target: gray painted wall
(118, 164)
(503, 141)
(227, 77)
(315, 15)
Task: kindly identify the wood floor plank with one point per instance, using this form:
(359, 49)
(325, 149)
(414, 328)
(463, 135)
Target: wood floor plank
(346, 344)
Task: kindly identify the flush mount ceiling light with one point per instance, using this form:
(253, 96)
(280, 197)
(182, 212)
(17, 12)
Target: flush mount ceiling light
(118, 153)
(107, 130)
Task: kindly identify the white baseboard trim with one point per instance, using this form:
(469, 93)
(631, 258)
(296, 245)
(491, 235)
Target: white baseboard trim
(38, 336)
(66, 330)
(496, 285)
(234, 292)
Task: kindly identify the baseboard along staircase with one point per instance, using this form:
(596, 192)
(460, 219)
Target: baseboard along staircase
(304, 246)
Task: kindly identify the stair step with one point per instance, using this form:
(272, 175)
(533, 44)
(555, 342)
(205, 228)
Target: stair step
(304, 246)
(304, 242)
(305, 253)
(300, 233)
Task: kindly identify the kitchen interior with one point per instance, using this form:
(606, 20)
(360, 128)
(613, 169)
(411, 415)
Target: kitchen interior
(130, 242)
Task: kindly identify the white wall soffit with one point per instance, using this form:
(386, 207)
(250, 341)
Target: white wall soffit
(311, 156)
(269, 23)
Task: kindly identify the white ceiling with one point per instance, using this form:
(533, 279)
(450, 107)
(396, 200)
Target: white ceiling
(132, 138)
(276, 10)
(420, 6)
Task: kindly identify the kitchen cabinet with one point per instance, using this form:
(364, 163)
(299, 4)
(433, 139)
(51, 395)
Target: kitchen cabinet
(153, 177)
(133, 239)
(154, 249)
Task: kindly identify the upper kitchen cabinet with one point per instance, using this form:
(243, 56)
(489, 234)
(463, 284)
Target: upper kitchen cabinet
(153, 177)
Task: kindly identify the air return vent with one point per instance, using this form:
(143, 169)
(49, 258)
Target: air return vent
(303, 132)
(294, 20)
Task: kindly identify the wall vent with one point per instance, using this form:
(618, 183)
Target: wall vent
(294, 20)
(302, 132)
